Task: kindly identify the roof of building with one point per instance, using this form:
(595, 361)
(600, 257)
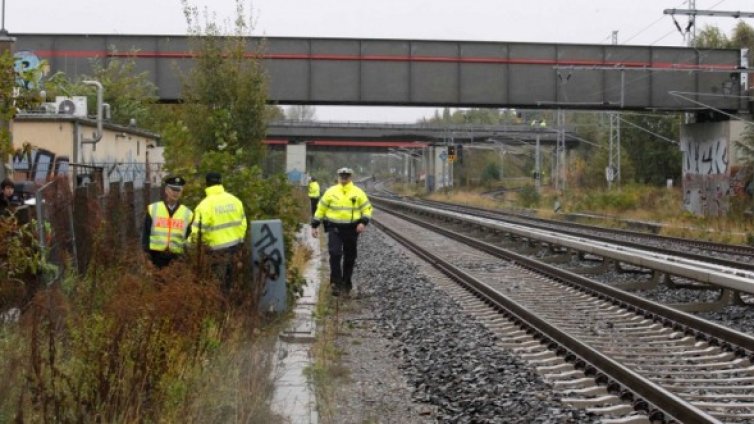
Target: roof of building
(56, 117)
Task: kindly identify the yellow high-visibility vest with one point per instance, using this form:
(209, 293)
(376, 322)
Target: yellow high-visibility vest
(343, 204)
(313, 189)
(219, 219)
(168, 233)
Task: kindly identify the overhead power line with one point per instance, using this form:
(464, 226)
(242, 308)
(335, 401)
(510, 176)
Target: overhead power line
(691, 12)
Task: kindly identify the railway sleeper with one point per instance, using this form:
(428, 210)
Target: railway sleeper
(593, 402)
(730, 397)
(696, 383)
(619, 409)
(591, 391)
(733, 365)
(659, 359)
(727, 297)
(713, 373)
(573, 384)
(695, 389)
(545, 354)
(633, 419)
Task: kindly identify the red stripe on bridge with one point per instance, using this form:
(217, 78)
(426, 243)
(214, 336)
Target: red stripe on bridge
(389, 58)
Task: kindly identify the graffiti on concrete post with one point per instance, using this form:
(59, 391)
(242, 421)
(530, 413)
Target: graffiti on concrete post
(268, 259)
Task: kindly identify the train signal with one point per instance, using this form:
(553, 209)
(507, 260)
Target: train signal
(451, 153)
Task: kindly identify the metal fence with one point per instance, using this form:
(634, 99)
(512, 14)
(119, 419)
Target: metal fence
(68, 221)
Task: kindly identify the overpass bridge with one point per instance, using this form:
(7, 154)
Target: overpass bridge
(392, 72)
(381, 136)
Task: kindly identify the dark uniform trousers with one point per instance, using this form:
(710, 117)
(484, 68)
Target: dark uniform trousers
(223, 266)
(314, 201)
(341, 244)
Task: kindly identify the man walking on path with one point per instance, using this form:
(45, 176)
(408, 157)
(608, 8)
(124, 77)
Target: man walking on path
(313, 194)
(220, 224)
(167, 225)
(345, 211)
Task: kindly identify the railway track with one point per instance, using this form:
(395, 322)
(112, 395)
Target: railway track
(635, 353)
(724, 254)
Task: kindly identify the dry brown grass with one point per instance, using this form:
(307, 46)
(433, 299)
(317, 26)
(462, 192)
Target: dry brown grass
(659, 205)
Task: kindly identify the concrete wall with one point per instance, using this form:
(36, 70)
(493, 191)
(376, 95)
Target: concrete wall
(120, 155)
(710, 166)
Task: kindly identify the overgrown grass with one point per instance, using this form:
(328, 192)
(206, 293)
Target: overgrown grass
(633, 202)
(327, 370)
(130, 343)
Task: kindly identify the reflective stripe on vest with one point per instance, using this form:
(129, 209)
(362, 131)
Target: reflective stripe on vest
(343, 204)
(168, 233)
(219, 220)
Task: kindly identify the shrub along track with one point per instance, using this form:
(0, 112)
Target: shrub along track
(665, 362)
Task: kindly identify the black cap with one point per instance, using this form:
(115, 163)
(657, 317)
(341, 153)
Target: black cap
(214, 178)
(175, 182)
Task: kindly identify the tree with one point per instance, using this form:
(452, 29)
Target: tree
(660, 159)
(131, 95)
(222, 121)
(710, 37)
(302, 113)
(15, 94)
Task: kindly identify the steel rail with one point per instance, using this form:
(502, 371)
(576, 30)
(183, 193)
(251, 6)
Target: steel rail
(667, 402)
(741, 343)
(717, 247)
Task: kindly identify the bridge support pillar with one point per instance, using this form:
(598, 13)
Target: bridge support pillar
(710, 168)
(295, 162)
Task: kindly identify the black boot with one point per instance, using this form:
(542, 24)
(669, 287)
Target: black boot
(336, 287)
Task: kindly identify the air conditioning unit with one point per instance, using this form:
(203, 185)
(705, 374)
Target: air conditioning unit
(50, 108)
(75, 106)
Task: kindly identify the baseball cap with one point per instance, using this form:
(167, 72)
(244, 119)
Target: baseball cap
(214, 178)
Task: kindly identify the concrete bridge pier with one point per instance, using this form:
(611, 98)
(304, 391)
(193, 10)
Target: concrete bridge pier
(295, 162)
(439, 169)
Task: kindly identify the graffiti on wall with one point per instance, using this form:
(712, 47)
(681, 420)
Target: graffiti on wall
(38, 165)
(41, 165)
(706, 157)
(706, 176)
(29, 69)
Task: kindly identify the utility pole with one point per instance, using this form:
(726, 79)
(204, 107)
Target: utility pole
(3, 31)
(612, 172)
(560, 152)
(537, 167)
(692, 12)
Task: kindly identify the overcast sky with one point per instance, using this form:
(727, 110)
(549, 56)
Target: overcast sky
(639, 22)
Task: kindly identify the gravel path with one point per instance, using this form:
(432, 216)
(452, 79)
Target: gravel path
(415, 357)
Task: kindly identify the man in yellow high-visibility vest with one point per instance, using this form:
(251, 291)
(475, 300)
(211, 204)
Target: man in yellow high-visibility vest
(313, 192)
(220, 224)
(167, 225)
(345, 210)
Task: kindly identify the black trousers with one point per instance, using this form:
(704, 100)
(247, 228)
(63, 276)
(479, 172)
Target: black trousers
(314, 201)
(222, 263)
(341, 244)
(161, 259)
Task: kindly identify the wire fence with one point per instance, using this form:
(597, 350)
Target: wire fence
(67, 220)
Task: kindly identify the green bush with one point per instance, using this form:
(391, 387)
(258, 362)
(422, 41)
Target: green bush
(529, 196)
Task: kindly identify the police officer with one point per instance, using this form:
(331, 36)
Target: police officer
(313, 194)
(346, 211)
(220, 224)
(167, 225)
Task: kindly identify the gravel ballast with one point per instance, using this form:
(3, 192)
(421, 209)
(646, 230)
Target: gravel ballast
(414, 356)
